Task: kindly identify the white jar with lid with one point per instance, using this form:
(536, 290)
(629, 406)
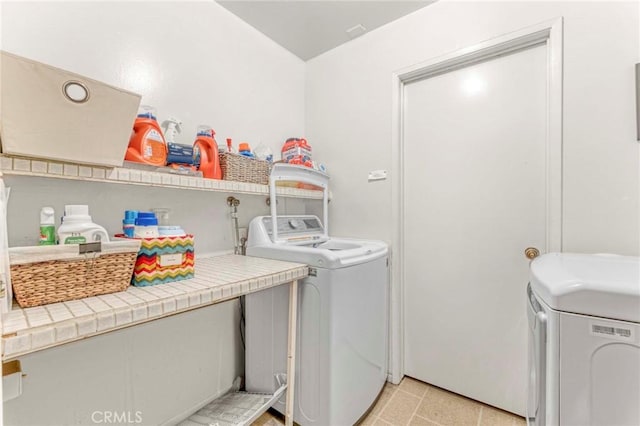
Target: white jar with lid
(162, 214)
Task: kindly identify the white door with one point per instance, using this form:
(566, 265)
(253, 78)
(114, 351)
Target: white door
(474, 198)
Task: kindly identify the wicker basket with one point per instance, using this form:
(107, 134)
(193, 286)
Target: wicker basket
(239, 168)
(50, 274)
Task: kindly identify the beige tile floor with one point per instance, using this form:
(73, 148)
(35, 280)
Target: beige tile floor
(416, 403)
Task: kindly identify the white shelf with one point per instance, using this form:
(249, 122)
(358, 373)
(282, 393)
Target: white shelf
(234, 409)
(19, 166)
(217, 279)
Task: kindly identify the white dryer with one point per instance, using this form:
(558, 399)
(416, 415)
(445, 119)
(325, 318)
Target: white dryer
(341, 354)
(584, 340)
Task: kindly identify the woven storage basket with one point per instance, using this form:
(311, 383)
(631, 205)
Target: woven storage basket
(239, 168)
(50, 274)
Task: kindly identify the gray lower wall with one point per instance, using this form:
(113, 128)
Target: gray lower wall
(204, 214)
(154, 372)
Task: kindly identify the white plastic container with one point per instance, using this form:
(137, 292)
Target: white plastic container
(77, 227)
(146, 225)
(162, 214)
(146, 231)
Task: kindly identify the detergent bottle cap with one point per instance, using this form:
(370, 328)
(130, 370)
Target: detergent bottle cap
(147, 111)
(146, 219)
(130, 215)
(76, 210)
(47, 216)
(243, 146)
(206, 130)
(76, 213)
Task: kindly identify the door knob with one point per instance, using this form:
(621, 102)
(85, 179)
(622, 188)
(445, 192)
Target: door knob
(531, 253)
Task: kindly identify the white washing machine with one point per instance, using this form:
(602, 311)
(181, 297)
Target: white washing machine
(584, 340)
(341, 354)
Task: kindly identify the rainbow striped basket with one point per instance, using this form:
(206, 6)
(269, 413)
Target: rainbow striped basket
(164, 259)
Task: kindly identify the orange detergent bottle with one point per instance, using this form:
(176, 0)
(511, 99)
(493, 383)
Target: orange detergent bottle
(147, 144)
(206, 149)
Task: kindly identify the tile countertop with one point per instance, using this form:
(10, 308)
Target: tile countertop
(220, 278)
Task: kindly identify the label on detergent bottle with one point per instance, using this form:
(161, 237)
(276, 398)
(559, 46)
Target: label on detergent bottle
(128, 230)
(154, 136)
(75, 239)
(47, 235)
(196, 155)
(153, 147)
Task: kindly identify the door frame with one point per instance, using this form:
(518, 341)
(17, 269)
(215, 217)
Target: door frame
(548, 33)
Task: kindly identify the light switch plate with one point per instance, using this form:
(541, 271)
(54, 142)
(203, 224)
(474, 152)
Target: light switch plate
(377, 175)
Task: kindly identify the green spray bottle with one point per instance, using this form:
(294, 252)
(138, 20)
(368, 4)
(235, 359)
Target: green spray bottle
(47, 227)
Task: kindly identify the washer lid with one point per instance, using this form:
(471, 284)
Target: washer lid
(602, 285)
(333, 253)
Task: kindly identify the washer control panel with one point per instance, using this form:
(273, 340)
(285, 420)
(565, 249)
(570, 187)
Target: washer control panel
(288, 225)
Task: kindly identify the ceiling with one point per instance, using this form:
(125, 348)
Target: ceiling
(308, 28)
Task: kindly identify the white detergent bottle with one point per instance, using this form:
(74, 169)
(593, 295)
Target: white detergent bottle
(77, 227)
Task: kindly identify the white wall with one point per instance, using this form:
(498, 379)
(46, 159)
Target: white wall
(349, 110)
(193, 60)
